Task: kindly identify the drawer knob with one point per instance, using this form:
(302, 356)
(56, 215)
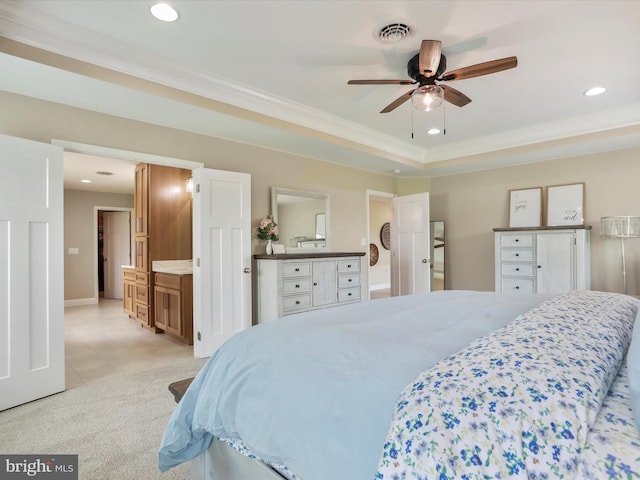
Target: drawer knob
(297, 286)
(351, 280)
(517, 254)
(297, 269)
(315, 284)
(517, 239)
(517, 269)
(539, 266)
(517, 287)
(297, 302)
(349, 266)
(349, 294)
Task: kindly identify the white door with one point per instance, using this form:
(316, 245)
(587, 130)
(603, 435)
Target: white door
(221, 257)
(31, 271)
(555, 256)
(410, 245)
(116, 246)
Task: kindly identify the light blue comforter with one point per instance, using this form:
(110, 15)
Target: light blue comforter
(316, 391)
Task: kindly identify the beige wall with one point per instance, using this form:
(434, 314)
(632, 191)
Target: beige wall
(380, 212)
(43, 121)
(475, 203)
(79, 212)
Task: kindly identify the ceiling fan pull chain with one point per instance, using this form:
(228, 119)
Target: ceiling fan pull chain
(412, 123)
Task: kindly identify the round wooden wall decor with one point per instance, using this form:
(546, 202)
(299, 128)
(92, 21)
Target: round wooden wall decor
(373, 254)
(385, 236)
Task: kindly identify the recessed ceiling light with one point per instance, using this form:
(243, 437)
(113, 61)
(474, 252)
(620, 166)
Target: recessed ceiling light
(433, 131)
(104, 173)
(595, 91)
(164, 12)
(85, 181)
(395, 170)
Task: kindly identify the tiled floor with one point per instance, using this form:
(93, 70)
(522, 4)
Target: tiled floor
(101, 341)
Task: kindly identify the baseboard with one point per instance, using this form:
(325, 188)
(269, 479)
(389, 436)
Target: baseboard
(76, 302)
(382, 286)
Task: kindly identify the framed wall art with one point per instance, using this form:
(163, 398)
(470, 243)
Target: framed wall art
(525, 207)
(565, 205)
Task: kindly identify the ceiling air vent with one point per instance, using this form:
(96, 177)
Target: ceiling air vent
(394, 32)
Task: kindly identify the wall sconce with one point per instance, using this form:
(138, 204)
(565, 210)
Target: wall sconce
(620, 227)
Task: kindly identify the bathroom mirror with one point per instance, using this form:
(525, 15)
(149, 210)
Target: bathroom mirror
(302, 218)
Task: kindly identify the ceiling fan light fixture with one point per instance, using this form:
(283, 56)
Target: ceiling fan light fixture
(433, 131)
(427, 97)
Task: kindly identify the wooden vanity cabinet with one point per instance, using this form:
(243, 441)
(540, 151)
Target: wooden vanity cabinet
(128, 293)
(162, 230)
(173, 305)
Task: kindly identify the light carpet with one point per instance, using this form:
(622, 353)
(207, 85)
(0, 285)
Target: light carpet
(114, 426)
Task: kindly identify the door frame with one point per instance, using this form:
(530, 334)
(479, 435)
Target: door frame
(118, 154)
(96, 211)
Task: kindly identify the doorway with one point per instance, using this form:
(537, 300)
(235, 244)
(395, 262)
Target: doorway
(379, 214)
(114, 244)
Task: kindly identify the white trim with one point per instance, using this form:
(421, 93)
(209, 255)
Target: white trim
(381, 286)
(126, 155)
(77, 302)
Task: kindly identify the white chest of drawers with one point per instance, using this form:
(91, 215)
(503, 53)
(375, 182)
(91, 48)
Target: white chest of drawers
(542, 260)
(286, 284)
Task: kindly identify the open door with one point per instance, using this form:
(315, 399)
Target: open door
(116, 250)
(221, 257)
(31, 271)
(410, 245)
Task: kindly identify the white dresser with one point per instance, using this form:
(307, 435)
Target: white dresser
(542, 260)
(286, 284)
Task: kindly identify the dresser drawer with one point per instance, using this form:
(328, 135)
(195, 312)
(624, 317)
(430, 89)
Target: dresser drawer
(168, 280)
(517, 269)
(517, 254)
(142, 294)
(296, 285)
(518, 285)
(518, 240)
(348, 280)
(296, 269)
(296, 302)
(349, 265)
(348, 294)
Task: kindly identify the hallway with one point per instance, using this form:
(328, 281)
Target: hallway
(102, 341)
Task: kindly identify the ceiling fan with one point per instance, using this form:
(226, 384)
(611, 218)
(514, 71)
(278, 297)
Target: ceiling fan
(427, 67)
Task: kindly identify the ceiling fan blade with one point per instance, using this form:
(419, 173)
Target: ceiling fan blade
(429, 58)
(380, 82)
(479, 69)
(397, 102)
(454, 96)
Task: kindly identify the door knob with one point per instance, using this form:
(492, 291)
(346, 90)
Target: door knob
(424, 260)
(247, 270)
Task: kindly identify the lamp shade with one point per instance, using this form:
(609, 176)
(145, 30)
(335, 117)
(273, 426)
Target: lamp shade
(427, 97)
(619, 227)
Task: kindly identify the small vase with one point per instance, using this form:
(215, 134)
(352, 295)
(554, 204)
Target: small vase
(269, 248)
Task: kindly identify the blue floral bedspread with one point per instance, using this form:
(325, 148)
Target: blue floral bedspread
(522, 402)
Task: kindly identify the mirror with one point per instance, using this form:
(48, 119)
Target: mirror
(437, 255)
(302, 218)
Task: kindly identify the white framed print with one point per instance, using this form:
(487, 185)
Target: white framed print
(565, 205)
(525, 207)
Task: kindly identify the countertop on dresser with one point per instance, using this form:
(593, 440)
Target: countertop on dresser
(293, 256)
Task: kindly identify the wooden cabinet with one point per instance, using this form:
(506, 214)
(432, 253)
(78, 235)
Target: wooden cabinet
(543, 260)
(128, 293)
(173, 305)
(162, 229)
(287, 284)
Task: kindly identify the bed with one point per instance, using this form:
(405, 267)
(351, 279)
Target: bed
(450, 384)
